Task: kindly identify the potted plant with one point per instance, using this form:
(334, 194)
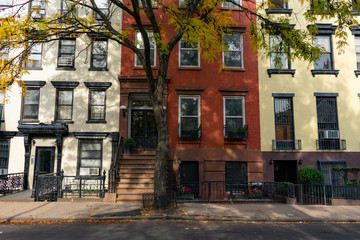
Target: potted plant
(238, 132)
(191, 132)
(254, 193)
(185, 193)
(129, 145)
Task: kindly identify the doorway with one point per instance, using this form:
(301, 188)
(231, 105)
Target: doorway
(44, 162)
(285, 171)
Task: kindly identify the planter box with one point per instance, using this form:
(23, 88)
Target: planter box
(254, 196)
(186, 196)
(348, 202)
(291, 201)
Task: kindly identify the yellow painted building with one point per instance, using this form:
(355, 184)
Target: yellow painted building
(309, 112)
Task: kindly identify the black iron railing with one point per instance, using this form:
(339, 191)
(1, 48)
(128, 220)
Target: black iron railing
(47, 187)
(13, 182)
(189, 130)
(331, 144)
(114, 169)
(236, 132)
(84, 186)
(286, 144)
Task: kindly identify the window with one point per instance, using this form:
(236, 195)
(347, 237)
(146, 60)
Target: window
(103, 7)
(284, 123)
(30, 108)
(99, 55)
(357, 49)
(277, 54)
(4, 156)
(189, 116)
(232, 55)
(34, 57)
(189, 55)
(279, 4)
(327, 118)
(4, 54)
(332, 177)
(140, 45)
(236, 176)
(37, 9)
(6, 3)
(234, 119)
(90, 157)
(67, 8)
(153, 3)
(325, 61)
(2, 106)
(64, 104)
(231, 5)
(66, 53)
(97, 105)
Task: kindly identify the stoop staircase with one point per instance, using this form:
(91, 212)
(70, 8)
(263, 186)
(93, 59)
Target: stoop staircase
(136, 173)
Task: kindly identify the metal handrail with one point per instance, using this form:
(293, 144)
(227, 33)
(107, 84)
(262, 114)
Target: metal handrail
(114, 169)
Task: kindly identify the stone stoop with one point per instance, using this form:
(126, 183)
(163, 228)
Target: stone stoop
(136, 175)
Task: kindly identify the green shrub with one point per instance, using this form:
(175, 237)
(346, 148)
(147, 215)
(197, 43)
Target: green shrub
(130, 142)
(311, 175)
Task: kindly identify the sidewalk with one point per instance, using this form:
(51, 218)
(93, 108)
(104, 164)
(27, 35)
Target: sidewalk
(262, 212)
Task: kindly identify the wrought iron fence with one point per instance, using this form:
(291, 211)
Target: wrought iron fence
(345, 192)
(236, 132)
(84, 186)
(114, 169)
(47, 187)
(189, 130)
(286, 144)
(330, 144)
(12, 182)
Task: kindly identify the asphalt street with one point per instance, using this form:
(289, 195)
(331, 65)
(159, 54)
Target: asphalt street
(178, 230)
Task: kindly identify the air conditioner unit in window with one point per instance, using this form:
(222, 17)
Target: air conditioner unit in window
(65, 61)
(330, 134)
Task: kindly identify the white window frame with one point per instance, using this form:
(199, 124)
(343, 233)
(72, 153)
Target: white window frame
(189, 49)
(230, 5)
(241, 51)
(357, 50)
(93, 54)
(243, 109)
(32, 52)
(283, 55)
(138, 41)
(80, 166)
(328, 37)
(179, 109)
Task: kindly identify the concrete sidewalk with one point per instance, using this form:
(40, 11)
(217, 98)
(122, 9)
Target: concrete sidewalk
(272, 212)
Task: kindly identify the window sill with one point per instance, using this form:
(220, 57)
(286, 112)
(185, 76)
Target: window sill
(98, 69)
(65, 69)
(96, 121)
(189, 139)
(142, 68)
(231, 140)
(40, 68)
(190, 68)
(233, 69)
(279, 11)
(281, 71)
(324, 72)
(62, 122)
(28, 121)
(357, 73)
(232, 8)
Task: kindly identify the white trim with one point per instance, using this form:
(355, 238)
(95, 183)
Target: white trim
(243, 109)
(192, 49)
(179, 109)
(241, 51)
(150, 35)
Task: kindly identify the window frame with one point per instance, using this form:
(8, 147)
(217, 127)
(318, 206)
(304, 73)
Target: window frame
(92, 67)
(223, 5)
(79, 165)
(328, 37)
(4, 54)
(243, 124)
(42, 8)
(190, 116)
(357, 37)
(137, 41)
(241, 51)
(58, 90)
(90, 119)
(35, 54)
(23, 105)
(67, 54)
(189, 49)
(4, 169)
(272, 62)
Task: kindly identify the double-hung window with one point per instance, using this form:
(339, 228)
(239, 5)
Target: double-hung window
(66, 57)
(99, 55)
(30, 104)
(189, 116)
(4, 54)
(284, 123)
(97, 105)
(34, 57)
(328, 127)
(278, 59)
(6, 8)
(357, 49)
(4, 156)
(227, 4)
(90, 157)
(234, 118)
(325, 62)
(189, 54)
(233, 52)
(140, 45)
(37, 9)
(153, 3)
(64, 104)
(103, 6)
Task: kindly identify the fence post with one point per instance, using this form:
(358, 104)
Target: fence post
(80, 187)
(209, 192)
(302, 194)
(324, 194)
(33, 194)
(103, 184)
(61, 179)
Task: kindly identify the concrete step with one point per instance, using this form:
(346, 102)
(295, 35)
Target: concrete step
(138, 156)
(135, 185)
(134, 190)
(125, 174)
(137, 165)
(136, 170)
(137, 161)
(136, 180)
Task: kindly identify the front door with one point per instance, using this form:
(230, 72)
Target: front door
(143, 128)
(45, 157)
(285, 171)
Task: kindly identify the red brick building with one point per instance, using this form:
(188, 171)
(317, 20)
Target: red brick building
(213, 117)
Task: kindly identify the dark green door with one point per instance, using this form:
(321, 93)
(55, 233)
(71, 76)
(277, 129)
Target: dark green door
(143, 129)
(45, 160)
